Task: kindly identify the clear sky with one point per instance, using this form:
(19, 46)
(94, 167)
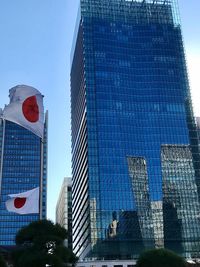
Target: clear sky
(35, 43)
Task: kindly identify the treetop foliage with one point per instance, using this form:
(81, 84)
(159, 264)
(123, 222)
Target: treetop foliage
(41, 243)
(160, 258)
(2, 261)
(40, 232)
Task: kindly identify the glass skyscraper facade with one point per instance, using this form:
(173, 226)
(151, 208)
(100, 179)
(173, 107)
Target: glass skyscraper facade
(23, 166)
(135, 154)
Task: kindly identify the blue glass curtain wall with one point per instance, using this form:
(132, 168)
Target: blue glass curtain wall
(137, 100)
(21, 171)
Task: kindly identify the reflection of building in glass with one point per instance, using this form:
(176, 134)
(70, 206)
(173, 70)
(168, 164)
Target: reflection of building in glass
(157, 221)
(64, 209)
(112, 229)
(129, 96)
(181, 206)
(93, 221)
(139, 181)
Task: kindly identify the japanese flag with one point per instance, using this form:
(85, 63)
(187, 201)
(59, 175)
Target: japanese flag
(26, 109)
(24, 203)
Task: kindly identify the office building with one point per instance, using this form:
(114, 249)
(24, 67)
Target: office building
(23, 160)
(64, 209)
(135, 154)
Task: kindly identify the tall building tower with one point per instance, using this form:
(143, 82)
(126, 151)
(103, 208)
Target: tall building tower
(64, 208)
(135, 155)
(23, 158)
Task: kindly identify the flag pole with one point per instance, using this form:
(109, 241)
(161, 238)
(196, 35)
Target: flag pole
(43, 157)
(41, 178)
(2, 152)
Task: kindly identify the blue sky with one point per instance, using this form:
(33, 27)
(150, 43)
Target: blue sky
(36, 39)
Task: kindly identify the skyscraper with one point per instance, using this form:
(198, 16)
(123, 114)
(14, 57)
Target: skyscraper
(23, 163)
(64, 208)
(135, 155)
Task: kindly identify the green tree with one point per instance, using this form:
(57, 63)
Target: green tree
(2, 261)
(41, 243)
(160, 258)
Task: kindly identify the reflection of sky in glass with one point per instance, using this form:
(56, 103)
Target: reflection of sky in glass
(139, 100)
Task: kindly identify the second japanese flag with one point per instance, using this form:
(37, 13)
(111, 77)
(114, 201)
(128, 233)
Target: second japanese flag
(25, 202)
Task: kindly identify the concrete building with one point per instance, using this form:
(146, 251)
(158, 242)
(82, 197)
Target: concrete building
(64, 209)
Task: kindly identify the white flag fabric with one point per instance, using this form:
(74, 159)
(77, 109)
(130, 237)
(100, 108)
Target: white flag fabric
(26, 109)
(24, 203)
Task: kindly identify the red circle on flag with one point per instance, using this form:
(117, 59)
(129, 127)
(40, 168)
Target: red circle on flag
(19, 202)
(30, 109)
